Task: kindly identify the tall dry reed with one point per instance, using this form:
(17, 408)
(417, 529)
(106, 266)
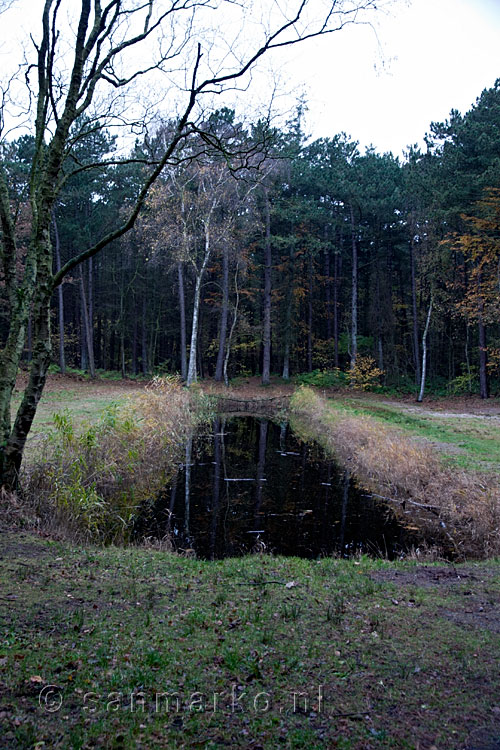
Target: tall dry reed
(458, 509)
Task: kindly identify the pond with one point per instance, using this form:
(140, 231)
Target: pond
(252, 485)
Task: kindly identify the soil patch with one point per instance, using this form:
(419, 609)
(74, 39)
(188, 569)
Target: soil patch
(484, 617)
(431, 575)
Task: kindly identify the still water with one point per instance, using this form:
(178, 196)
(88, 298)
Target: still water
(251, 485)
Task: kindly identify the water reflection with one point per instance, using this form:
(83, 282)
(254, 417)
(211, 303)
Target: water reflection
(251, 484)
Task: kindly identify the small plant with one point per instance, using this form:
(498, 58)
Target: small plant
(291, 611)
(365, 374)
(336, 609)
(466, 383)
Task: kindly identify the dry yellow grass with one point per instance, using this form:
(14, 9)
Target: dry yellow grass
(457, 507)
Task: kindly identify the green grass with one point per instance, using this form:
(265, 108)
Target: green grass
(400, 660)
(85, 401)
(471, 443)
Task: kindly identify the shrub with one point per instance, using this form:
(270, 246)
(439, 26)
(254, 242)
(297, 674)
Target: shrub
(365, 374)
(90, 483)
(323, 378)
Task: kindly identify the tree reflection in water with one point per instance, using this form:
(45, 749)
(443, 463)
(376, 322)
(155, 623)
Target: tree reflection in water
(251, 484)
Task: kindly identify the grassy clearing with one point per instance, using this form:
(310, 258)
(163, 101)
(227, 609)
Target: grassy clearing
(403, 655)
(85, 399)
(470, 443)
(146, 649)
(459, 511)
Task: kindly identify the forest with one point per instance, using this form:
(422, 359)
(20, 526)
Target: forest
(259, 252)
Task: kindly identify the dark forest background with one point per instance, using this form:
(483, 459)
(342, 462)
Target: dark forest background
(285, 258)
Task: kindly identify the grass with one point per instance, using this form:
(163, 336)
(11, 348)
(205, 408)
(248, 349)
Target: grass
(87, 482)
(470, 443)
(351, 654)
(85, 399)
(458, 511)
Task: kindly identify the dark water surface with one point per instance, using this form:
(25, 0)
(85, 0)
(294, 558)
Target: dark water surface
(251, 485)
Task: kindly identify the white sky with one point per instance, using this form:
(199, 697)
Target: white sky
(437, 55)
(383, 87)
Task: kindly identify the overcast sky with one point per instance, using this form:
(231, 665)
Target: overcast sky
(382, 86)
(435, 55)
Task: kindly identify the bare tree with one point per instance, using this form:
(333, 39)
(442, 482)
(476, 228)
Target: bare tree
(420, 396)
(93, 72)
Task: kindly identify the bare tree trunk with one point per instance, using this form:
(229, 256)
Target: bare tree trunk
(483, 355)
(354, 295)
(266, 323)
(380, 353)
(122, 351)
(288, 319)
(122, 328)
(467, 355)
(233, 324)
(424, 352)
(191, 376)
(224, 314)
(86, 324)
(60, 297)
(416, 353)
(328, 295)
(337, 260)
(90, 332)
(153, 340)
(84, 363)
(135, 334)
(380, 345)
(144, 338)
(310, 314)
(288, 335)
(182, 308)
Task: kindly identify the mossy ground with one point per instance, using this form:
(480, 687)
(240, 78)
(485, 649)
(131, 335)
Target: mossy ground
(404, 655)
